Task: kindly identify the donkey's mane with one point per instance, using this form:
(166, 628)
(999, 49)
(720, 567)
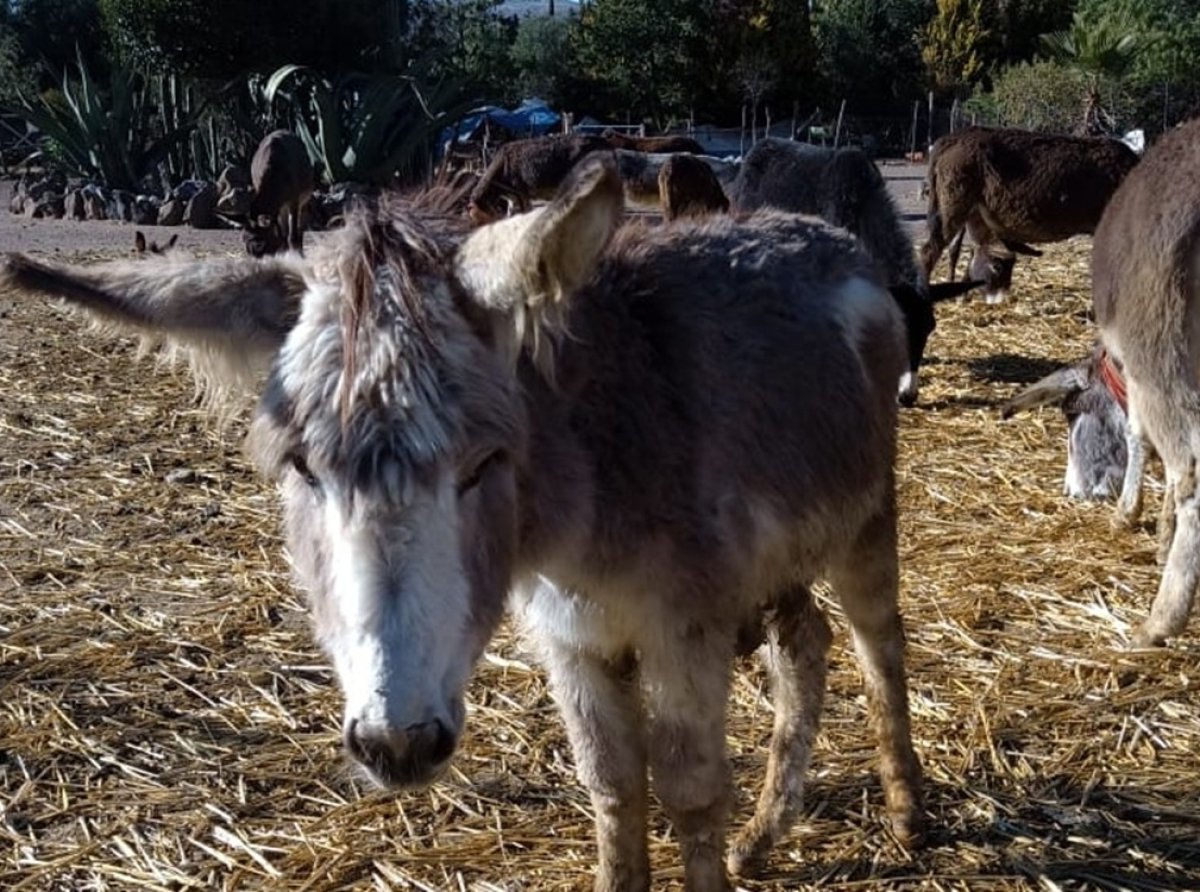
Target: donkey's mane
(385, 378)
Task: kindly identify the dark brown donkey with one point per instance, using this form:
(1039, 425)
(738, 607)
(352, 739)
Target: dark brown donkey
(654, 452)
(282, 176)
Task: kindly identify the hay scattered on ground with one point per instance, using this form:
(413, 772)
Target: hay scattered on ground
(166, 722)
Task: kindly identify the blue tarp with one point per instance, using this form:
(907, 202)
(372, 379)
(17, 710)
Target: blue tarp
(531, 118)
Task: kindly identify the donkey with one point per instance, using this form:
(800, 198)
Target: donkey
(1146, 295)
(282, 176)
(527, 169)
(1105, 446)
(1007, 188)
(845, 188)
(142, 247)
(550, 406)
(687, 186)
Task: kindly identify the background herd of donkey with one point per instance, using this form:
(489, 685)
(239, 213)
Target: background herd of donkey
(1008, 190)
(503, 281)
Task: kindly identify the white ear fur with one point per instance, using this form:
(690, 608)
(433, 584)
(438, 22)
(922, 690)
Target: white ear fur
(529, 265)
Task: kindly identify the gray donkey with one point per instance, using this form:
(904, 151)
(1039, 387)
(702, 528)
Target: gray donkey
(656, 438)
(1146, 293)
(844, 187)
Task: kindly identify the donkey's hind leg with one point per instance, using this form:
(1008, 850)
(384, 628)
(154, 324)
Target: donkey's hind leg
(1181, 569)
(866, 582)
(798, 639)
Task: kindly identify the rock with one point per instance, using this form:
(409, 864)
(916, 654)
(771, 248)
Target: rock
(52, 207)
(17, 204)
(120, 205)
(201, 208)
(170, 212)
(235, 202)
(145, 210)
(76, 208)
(187, 189)
(95, 204)
(233, 177)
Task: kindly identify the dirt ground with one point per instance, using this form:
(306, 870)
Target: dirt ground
(167, 723)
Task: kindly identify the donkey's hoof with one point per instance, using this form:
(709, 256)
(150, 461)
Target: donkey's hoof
(1146, 638)
(909, 829)
(747, 860)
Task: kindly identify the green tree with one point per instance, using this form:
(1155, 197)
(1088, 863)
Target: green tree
(1102, 48)
(868, 51)
(650, 62)
(764, 49)
(54, 34)
(541, 55)
(1165, 76)
(1015, 28)
(16, 75)
(471, 41)
(226, 38)
(951, 45)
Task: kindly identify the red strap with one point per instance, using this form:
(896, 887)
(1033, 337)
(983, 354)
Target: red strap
(1113, 380)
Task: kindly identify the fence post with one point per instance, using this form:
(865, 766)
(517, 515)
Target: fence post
(929, 141)
(837, 131)
(912, 140)
(767, 131)
(742, 138)
(795, 116)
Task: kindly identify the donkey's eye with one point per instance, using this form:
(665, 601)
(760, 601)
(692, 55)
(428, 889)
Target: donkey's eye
(303, 469)
(466, 484)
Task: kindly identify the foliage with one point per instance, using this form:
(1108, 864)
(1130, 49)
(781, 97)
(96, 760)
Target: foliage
(1103, 48)
(15, 76)
(765, 50)
(225, 38)
(950, 45)
(105, 134)
(467, 40)
(649, 65)
(367, 129)
(54, 33)
(1015, 28)
(868, 51)
(541, 57)
(1046, 96)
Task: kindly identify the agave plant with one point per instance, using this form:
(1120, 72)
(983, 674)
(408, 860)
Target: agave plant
(374, 130)
(104, 134)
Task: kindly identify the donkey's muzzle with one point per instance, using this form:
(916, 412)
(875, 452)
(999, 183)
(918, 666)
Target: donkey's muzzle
(401, 757)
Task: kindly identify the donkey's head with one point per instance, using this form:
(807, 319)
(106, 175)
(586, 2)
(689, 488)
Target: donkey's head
(393, 419)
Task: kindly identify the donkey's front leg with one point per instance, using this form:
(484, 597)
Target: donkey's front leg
(686, 679)
(600, 705)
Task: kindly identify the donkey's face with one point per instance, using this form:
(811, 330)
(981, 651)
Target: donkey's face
(400, 507)
(263, 235)
(393, 419)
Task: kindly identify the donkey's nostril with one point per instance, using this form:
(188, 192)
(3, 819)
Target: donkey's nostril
(400, 757)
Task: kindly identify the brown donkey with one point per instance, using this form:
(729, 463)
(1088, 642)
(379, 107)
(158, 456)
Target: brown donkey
(1146, 291)
(655, 438)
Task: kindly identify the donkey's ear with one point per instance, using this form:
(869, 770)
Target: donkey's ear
(1051, 390)
(228, 316)
(534, 261)
(568, 237)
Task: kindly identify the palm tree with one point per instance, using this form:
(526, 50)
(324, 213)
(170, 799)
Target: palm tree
(1100, 49)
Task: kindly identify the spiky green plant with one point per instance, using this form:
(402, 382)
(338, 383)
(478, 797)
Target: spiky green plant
(367, 129)
(105, 133)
